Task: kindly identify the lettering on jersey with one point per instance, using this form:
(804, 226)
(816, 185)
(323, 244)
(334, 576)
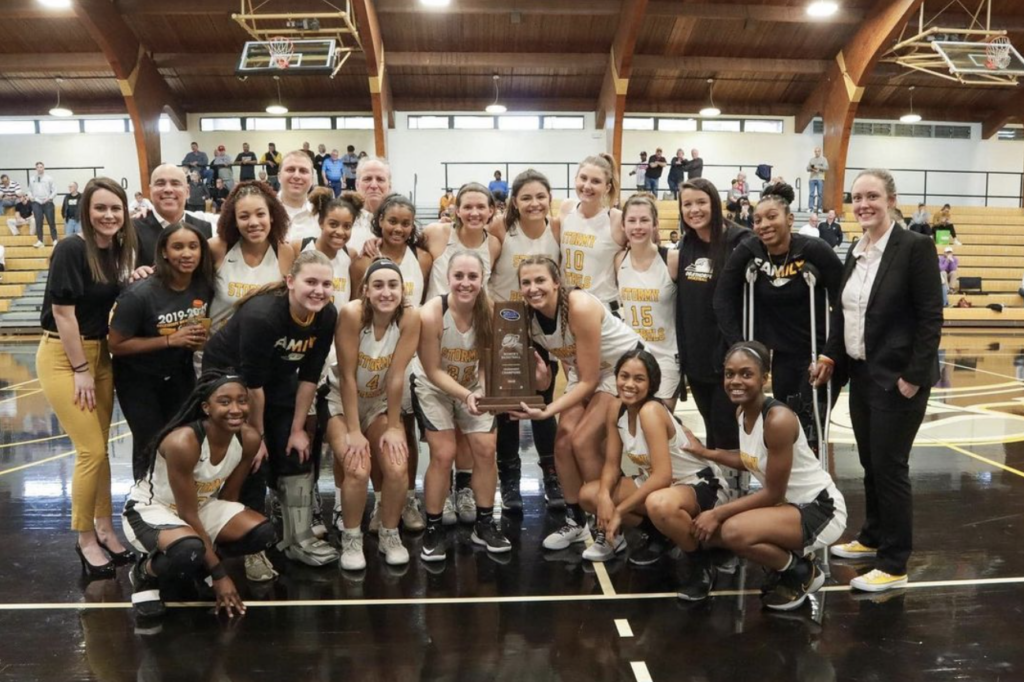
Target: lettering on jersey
(780, 275)
(700, 270)
(515, 295)
(372, 364)
(340, 286)
(640, 295)
(459, 355)
(240, 289)
(168, 323)
(579, 239)
(652, 335)
(409, 287)
(564, 353)
(208, 488)
(640, 459)
(295, 349)
(750, 462)
(575, 279)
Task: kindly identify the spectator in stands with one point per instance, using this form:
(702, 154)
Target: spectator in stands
(246, 161)
(318, 163)
(334, 172)
(673, 239)
(640, 171)
(350, 161)
(8, 192)
(263, 176)
(43, 191)
(198, 161)
(948, 265)
(140, 206)
(745, 214)
(944, 221)
(23, 214)
(447, 200)
(811, 228)
(732, 197)
(498, 187)
(198, 193)
(741, 184)
(168, 188)
(3, 261)
(69, 211)
(695, 166)
(222, 168)
(271, 161)
(218, 194)
(830, 230)
(921, 217)
(817, 167)
(677, 173)
(655, 167)
(1021, 290)
(308, 152)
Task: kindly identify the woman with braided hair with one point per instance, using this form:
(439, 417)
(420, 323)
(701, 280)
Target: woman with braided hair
(184, 512)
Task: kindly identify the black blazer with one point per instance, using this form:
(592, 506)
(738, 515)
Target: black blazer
(904, 314)
(148, 229)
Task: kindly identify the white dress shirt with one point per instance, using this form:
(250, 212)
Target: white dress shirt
(868, 255)
(302, 222)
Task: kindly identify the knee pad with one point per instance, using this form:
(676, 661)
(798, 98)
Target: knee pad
(183, 557)
(256, 540)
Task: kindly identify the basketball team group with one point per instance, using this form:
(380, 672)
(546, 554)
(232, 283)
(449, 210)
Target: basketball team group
(243, 350)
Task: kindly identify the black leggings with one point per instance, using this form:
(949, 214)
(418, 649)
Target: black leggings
(277, 426)
(718, 412)
(791, 384)
(148, 403)
(510, 463)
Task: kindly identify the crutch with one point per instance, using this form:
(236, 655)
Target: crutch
(811, 277)
(748, 301)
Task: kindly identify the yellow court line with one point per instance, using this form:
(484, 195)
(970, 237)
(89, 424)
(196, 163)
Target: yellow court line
(968, 389)
(460, 601)
(980, 371)
(56, 457)
(603, 579)
(24, 395)
(43, 440)
(21, 383)
(980, 458)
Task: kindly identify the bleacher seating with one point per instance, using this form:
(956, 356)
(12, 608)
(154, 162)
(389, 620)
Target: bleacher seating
(23, 283)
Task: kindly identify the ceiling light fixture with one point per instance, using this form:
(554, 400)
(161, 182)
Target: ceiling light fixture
(435, 3)
(711, 110)
(822, 8)
(55, 4)
(277, 109)
(494, 107)
(58, 110)
(911, 117)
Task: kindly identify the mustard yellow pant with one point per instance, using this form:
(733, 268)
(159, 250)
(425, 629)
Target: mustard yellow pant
(88, 429)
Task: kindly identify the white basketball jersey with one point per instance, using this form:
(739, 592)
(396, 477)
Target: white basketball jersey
(342, 284)
(686, 467)
(439, 272)
(235, 279)
(459, 354)
(648, 301)
(374, 361)
(412, 277)
(588, 255)
(616, 339)
(504, 283)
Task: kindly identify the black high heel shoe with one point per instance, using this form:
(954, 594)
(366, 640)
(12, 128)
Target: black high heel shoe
(107, 570)
(118, 558)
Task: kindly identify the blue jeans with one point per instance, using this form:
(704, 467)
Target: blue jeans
(651, 185)
(335, 186)
(72, 226)
(817, 187)
(7, 203)
(38, 212)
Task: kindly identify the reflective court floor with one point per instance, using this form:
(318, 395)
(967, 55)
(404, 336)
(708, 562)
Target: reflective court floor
(536, 615)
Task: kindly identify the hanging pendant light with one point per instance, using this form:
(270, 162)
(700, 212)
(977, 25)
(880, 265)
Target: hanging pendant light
(277, 109)
(58, 110)
(711, 110)
(822, 8)
(911, 117)
(494, 107)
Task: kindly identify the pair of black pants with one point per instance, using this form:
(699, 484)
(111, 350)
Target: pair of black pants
(277, 427)
(791, 384)
(510, 463)
(884, 425)
(38, 212)
(148, 403)
(718, 412)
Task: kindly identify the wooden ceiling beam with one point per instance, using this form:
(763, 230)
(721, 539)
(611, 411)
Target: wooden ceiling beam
(380, 85)
(746, 13)
(1011, 108)
(611, 104)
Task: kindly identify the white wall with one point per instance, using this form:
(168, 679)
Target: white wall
(417, 156)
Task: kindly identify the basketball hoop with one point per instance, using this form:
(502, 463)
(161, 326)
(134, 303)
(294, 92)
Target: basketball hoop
(281, 50)
(997, 53)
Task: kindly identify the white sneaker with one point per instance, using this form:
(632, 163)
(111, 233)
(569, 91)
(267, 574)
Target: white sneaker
(38, 245)
(448, 515)
(375, 517)
(465, 503)
(566, 535)
(412, 515)
(352, 558)
(395, 553)
(601, 550)
(258, 568)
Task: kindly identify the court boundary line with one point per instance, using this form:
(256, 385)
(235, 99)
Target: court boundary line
(525, 599)
(53, 458)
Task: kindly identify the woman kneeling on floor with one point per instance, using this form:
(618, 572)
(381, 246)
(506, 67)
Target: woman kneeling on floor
(673, 486)
(797, 510)
(187, 501)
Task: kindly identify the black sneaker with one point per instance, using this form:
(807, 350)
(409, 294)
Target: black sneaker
(511, 498)
(146, 599)
(648, 550)
(488, 535)
(698, 579)
(553, 492)
(788, 593)
(435, 544)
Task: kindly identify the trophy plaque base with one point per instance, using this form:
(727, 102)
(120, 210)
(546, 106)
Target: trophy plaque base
(501, 404)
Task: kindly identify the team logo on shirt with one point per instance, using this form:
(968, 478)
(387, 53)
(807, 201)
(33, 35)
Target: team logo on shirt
(295, 349)
(640, 459)
(700, 270)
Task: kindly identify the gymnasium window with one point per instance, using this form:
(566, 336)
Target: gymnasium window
(762, 125)
(633, 123)
(519, 123)
(1011, 134)
(312, 123)
(48, 127)
(104, 125)
(473, 122)
(430, 122)
(355, 123)
(263, 123)
(721, 125)
(165, 124)
(677, 125)
(563, 123)
(17, 127)
(211, 124)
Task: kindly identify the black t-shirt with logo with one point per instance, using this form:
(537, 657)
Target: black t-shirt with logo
(246, 171)
(272, 350)
(151, 308)
(655, 171)
(70, 282)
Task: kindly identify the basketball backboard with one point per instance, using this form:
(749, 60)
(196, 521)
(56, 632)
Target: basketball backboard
(282, 56)
(990, 58)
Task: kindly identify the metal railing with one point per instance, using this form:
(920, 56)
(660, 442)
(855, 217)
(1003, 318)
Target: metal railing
(25, 175)
(913, 183)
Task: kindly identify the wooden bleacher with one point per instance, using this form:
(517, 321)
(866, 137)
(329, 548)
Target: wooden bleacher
(21, 288)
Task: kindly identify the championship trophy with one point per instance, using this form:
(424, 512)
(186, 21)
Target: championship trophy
(511, 380)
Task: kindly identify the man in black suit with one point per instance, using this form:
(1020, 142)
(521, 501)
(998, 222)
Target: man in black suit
(885, 335)
(168, 188)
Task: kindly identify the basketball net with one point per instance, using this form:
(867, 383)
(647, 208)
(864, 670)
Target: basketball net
(997, 54)
(281, 50)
